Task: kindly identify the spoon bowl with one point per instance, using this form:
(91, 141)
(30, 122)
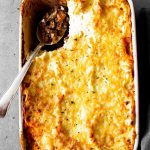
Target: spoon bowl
(51, 29)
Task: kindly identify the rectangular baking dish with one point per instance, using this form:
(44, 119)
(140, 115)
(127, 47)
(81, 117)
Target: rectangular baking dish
(27, 31)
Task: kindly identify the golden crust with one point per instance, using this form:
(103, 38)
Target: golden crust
(82, 95)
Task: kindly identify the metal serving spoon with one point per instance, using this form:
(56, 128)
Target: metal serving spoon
(50, 31)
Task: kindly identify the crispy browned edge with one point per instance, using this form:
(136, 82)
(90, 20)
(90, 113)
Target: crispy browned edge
(23, 60)
(22, 56)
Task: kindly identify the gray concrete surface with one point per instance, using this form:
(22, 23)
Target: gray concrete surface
(9, 17)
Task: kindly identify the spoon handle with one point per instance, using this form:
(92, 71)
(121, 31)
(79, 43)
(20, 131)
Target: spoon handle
(10, 93)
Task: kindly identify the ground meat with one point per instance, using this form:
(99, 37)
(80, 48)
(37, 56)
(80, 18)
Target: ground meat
(53, 25)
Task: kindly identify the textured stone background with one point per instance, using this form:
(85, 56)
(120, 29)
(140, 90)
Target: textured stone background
(9, 18)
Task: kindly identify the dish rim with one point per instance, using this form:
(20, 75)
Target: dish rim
(136, 84)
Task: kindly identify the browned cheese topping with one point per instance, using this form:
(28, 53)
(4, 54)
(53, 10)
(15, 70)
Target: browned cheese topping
(81, 96)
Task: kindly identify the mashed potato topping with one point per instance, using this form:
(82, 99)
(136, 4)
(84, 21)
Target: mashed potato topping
(81, 96)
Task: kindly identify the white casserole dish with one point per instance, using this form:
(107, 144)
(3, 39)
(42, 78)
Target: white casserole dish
(27, 12)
